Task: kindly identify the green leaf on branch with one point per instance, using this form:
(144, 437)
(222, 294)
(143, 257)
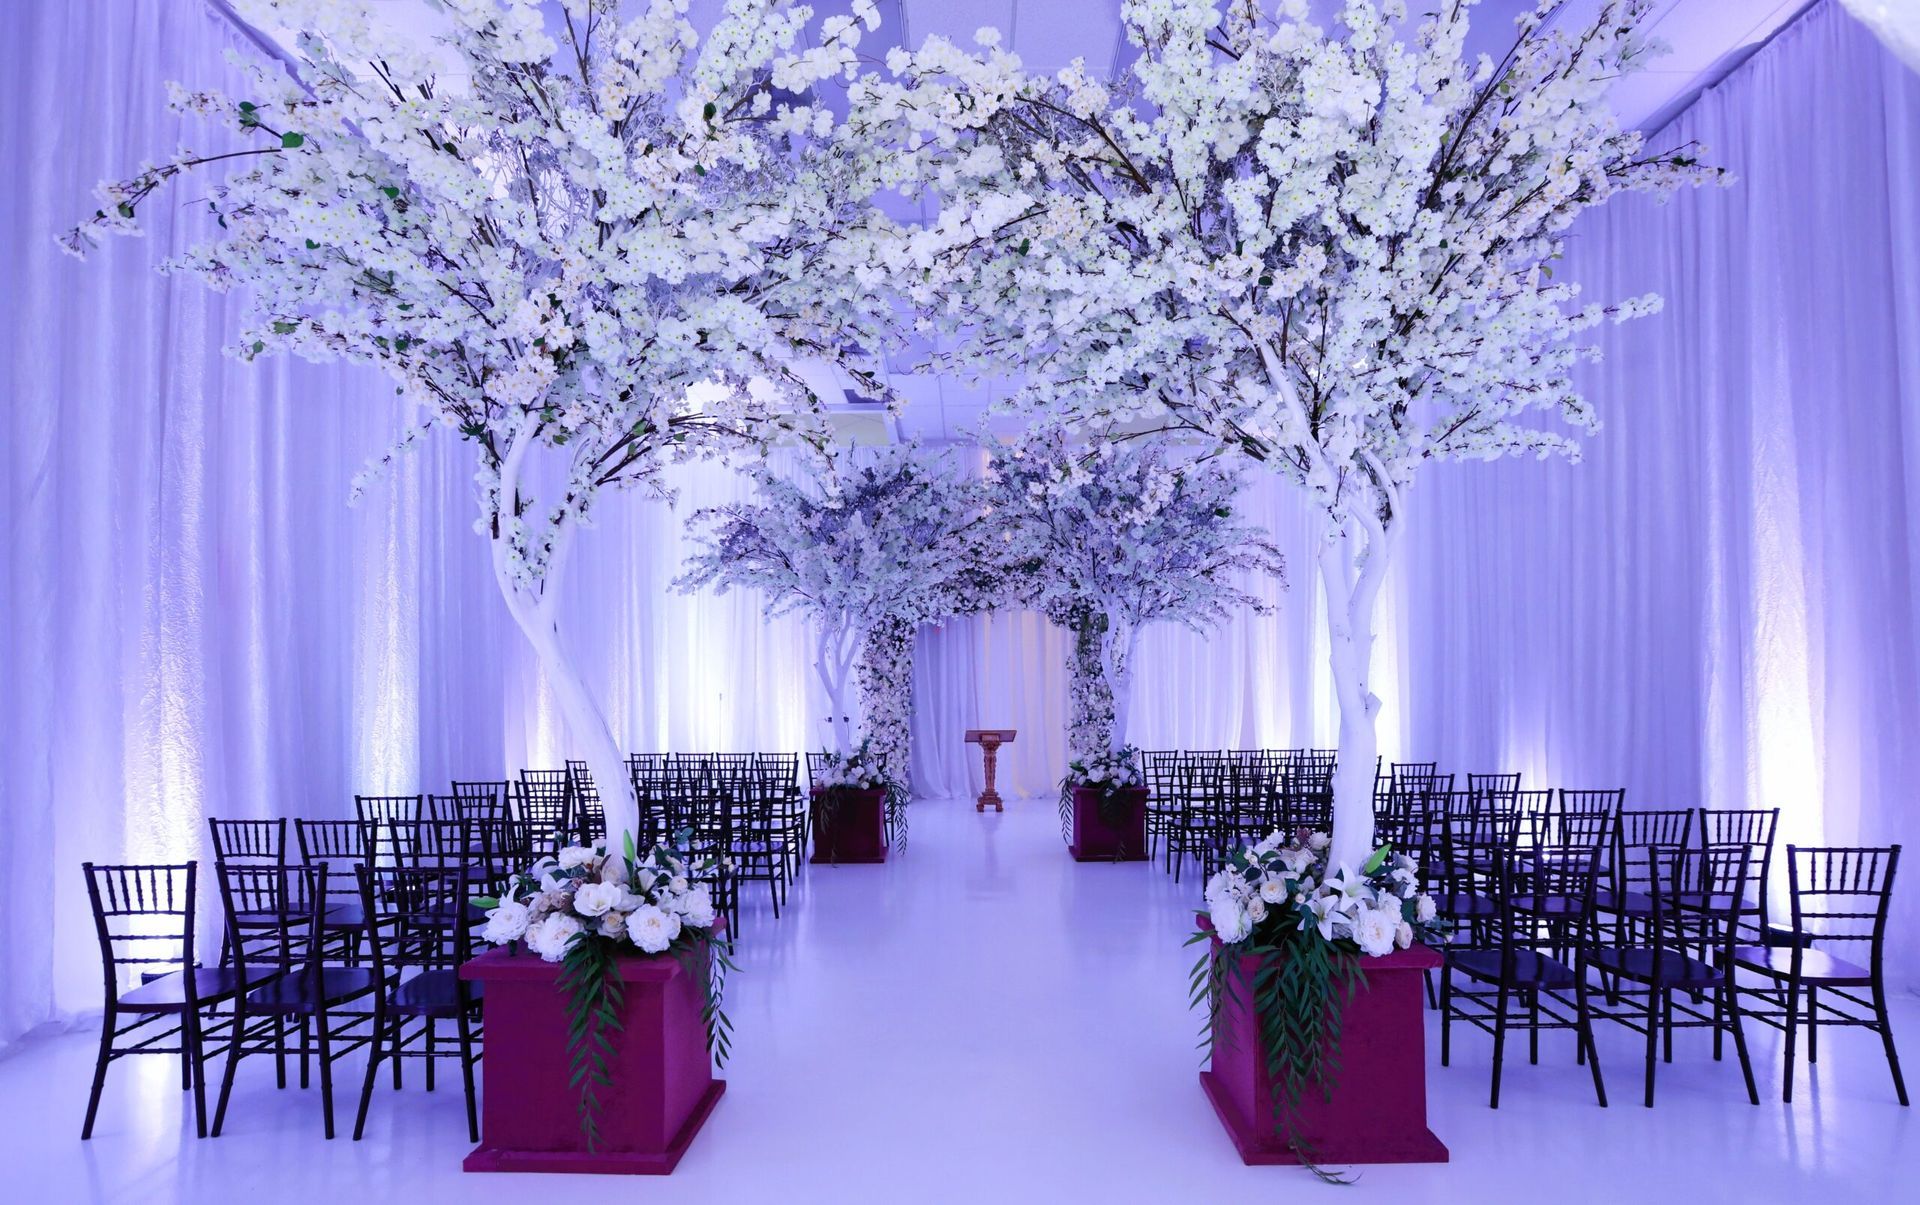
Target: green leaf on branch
(291, 140)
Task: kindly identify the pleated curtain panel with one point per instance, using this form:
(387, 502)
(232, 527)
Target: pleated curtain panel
(1720, 607)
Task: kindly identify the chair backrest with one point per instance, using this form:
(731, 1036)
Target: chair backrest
(385, 809)
(546, 803)
(143, 918)
(262, 841)
(1586, 817)
(1492, 784)
(274, 916)
(1753, 829)
(338, 841)
(416, 917)
(1843, 893)
(1637, 836)
(484, 796)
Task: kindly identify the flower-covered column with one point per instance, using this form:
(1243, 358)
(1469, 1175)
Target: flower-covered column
(1089, 700)
(885, 678)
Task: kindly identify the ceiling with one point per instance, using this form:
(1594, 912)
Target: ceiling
(1708, 39)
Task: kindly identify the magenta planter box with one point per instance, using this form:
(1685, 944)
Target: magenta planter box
(852, 830)
(1378, 1109)
(663, 1087)
(1094, 840)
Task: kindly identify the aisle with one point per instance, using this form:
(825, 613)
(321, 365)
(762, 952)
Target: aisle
(983, 1021)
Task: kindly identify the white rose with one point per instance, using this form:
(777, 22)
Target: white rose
(1373, 931)
(506, 923)
(1403, 935)
(1256, 910)
(614, 925)
(595, 899)
(549, 938)
(1296, 860)
(1273, 889)
(575, 855)
(1318, 841)
(652, 929)
(1424, 908)
(698, 907)
(1231, 922)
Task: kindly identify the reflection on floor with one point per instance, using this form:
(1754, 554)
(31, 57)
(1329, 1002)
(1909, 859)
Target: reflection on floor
(982, 1020)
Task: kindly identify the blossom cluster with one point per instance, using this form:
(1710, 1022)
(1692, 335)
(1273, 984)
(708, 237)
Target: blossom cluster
(1281, 885)
(583, 893)
(1106, 538)
(870, 536)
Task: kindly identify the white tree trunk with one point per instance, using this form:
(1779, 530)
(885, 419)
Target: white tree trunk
(1350, 575)
(536, 612)
(587, 725)
(1117, 649)
(838, 647)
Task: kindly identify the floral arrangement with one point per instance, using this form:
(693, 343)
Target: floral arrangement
(863, 769)
(1112, 538)
(1310, 929)
(583, 908)
(1324, 239)
(1110, 773)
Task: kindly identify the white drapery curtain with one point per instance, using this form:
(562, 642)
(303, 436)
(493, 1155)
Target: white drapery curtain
(1719, 607)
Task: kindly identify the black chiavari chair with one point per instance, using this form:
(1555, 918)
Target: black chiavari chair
(153, 988)
(546, 804)
(1640, 838)
(419, 933)
(302, 989)
(389, 822)
(339, 843)
(1532, 975)
(1751, 830)
(1840, 897)
(1684, 951)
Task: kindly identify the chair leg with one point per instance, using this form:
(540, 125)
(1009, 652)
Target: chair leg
(279, 1054)
(197, 1066)
(1499, 1043)
(1653, 1038)
(107, 1026)
(326, 1067)
(1885, 1026)
(1732, 1002)
(1813, 1025)
(465, 1028)
(1666, 1025)
(1446, 1012)
(236, 1048)
(1584, 1016)
(432, 1040)
(1533, 1028)
(374, 1055)
(306, 1049)
(1793, 1027)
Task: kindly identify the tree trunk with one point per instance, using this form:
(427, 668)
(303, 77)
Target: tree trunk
(1117, 648)
(588, 728)
(1350, 577)
(833, 661)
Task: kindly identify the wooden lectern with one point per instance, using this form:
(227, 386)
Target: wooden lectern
(989, 740)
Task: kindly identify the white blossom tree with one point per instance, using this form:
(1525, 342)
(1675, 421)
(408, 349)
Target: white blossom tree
(591, 251)
(866, 545)
(1329, 249)
(1114, 537)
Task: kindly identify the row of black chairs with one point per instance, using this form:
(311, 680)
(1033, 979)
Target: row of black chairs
(1572, 910)
(305, 973)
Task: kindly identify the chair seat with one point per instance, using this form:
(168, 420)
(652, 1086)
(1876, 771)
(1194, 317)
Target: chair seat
(435, 993)
(1530, 969)
(347, 914)
(292, 992)
(1649, 965)
(1718, 901)
(1816, 966)
(1464, 903)
(168, 993)
(1623, 903)
(1548, 905)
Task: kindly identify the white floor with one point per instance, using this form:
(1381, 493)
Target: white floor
(983, 1020)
